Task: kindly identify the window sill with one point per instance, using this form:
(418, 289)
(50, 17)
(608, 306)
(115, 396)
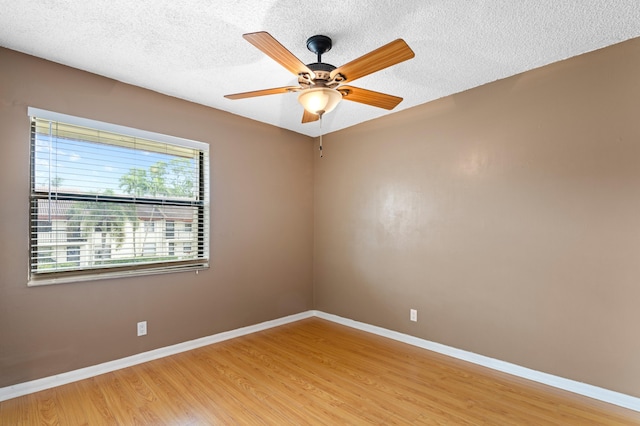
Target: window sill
(41, 281)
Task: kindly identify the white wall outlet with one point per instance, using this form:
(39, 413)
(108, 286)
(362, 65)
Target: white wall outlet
(413, 315)
(142, 328)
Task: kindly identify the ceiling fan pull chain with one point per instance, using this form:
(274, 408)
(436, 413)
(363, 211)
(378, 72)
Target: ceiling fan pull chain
(321, 135)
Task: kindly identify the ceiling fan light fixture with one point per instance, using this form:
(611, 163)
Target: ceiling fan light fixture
(319, 100)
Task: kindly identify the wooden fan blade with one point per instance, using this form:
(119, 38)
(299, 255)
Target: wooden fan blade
(264, 92)
(308, 117)
(369, 97)
(272, 48)
(390, 54)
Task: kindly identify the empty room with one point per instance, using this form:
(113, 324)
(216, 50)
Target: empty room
(267, 212)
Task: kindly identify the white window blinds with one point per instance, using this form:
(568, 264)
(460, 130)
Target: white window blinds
(109, 201)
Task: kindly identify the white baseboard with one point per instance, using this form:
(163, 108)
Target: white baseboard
(580, 388)
(95, 370)
(584, 389)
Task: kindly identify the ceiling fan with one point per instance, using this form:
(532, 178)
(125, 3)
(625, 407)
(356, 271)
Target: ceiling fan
(321, 85)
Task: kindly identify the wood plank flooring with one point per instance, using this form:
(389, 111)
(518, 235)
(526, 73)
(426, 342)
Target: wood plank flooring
(306, 373)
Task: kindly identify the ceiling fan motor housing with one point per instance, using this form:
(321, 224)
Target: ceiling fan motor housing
(321, 70)
(321, 76)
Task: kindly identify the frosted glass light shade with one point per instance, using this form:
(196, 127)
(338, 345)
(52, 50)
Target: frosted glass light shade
(319, 100)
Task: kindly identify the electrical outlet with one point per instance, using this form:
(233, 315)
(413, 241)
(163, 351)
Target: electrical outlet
(413, 315)
(142, 328)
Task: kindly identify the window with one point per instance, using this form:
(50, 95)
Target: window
(44, 226)
(149, 249)
(73, 231)
(105, 187)
(103, 252)
(171, 249)
(45, 256)
(73, 255)
(171, 229)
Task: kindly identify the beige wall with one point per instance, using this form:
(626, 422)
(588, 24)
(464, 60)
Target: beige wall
(507, 215)
(261, 230)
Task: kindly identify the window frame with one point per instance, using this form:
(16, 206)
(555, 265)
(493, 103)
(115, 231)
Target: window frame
(201, 205)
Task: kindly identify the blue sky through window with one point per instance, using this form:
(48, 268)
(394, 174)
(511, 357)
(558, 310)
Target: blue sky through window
(89, 167)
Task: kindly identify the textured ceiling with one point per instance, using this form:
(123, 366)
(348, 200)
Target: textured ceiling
(194, 49)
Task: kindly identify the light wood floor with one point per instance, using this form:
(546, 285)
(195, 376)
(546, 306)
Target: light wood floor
(309, 372)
